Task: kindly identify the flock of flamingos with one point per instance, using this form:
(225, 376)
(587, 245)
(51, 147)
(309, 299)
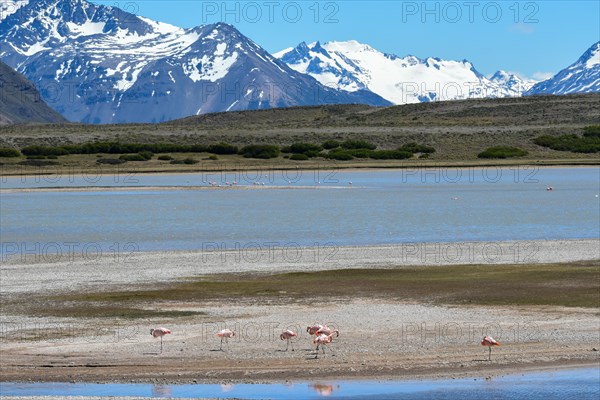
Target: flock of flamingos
(323, 336)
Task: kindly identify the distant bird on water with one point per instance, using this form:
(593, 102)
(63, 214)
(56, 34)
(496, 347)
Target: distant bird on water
(160, 332)
(489, 342)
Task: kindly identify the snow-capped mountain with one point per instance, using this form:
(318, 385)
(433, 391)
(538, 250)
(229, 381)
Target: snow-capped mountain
(353, 66)
(512, 83)
(581, 77)
(100, 64)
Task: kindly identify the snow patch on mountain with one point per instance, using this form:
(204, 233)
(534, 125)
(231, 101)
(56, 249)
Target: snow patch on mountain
(86, 29)
(8, 7)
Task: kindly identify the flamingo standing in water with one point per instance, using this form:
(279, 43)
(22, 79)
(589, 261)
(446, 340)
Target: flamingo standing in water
(225, 334)
(489, 342)
(322, 340)
(287, 335)
(159, 332)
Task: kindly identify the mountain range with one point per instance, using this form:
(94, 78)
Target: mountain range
(100, 64)
(354, 66)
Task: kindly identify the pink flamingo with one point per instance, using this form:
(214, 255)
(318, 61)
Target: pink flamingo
(322, 340)
(225, 334)
(325, 330)
(160, 332)
(489, 342)
(287, 335)
(313, 329)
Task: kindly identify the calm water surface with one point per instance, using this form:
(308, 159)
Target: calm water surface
(378, 207)
(578, 384)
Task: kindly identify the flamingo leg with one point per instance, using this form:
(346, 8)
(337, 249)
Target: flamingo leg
(221, 348)
(490, 354)
(287, 345)
(292, 345)
(161, 347)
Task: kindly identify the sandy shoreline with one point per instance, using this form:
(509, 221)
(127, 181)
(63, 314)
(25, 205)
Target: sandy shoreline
(380, 339)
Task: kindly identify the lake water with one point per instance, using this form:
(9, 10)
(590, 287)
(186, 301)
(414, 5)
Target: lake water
(302, 208)
(580, 384)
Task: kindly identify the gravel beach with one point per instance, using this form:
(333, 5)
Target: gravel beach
(379, 339)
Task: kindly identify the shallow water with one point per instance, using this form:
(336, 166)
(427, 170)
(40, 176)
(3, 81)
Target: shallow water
(379, 207)
(567, 384)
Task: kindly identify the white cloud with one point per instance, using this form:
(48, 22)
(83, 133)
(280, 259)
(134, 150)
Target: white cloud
(542, 76)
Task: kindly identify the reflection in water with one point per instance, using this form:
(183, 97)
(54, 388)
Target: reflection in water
(227, 388)
(324, 389)
(580, 384)
(161, 391)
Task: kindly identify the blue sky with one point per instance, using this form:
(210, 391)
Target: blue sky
(532, 38)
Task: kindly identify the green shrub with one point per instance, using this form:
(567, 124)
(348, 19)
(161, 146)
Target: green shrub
(36, 157)
(187, 161)
(592, 131)
(358, 144)
(133, 157)
(502, 152)
(390, 155)
(360, 153)
(222, 148)
(146, 154)
(263, 151)
(44, 151)
(339, 154)
(39, 163)
(286, 149)
(305, 148)
(7, 152)
(299, 157)
(330, 144)
(213, 157)
(165, 157)
(417, 148)
(194, 148)
(110, 161)
(571, 142)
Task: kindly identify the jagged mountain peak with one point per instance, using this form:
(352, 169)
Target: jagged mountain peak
(583, 76)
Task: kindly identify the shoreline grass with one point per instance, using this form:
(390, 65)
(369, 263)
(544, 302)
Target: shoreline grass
(573, 284)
